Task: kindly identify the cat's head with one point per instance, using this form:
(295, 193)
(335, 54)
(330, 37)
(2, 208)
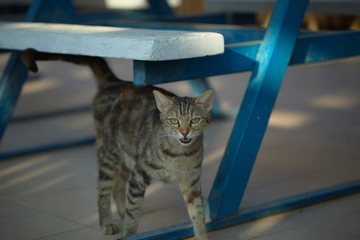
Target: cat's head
(184, 118)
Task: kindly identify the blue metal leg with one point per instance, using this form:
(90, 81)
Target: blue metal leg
(11, 83)
(60, 11)
(272, 60)
(15, 72)
(160, 7)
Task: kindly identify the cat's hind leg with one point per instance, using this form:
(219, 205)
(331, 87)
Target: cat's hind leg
(138, 181)
(119, 190)
(104, 189)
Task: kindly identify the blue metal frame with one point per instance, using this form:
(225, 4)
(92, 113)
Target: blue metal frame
(15, 72)
(160, 7)
(252, 120)
(232, 34)
(267, 57)
(242, 57)
(62, 11)
(11, 83)
(184, 230)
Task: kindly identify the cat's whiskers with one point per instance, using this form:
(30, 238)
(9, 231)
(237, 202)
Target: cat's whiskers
(165, 135)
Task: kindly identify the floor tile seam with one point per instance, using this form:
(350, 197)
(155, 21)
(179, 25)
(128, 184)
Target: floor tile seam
(298, 175)
(51, 135)
(45, 212)
(63, 232)
(310, 224)
(162, 209)
(323, 227)
(293, 225)
(353, 178)
(302, 227)
(319, 227)
(287, 214)
(49, 152)
(304, 173)
(6, 200)
(320, 178)
(296, 224)
(343, 233)
(333, 203)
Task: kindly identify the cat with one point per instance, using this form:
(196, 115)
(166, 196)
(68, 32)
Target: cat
(144, 134)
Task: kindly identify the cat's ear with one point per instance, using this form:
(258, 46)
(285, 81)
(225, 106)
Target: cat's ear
(162, 101)
(207, 99)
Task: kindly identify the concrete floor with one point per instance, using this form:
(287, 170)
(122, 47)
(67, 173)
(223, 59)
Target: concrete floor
(312, 142)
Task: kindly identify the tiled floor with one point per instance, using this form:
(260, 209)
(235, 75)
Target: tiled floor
(313, 141)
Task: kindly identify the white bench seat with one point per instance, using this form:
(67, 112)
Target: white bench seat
(128, 43)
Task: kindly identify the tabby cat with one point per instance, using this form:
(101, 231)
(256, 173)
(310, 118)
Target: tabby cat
(144, 134)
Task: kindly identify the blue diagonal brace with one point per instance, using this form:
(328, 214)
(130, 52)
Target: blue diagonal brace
(251, 123)
(10, 87)
(160, 7)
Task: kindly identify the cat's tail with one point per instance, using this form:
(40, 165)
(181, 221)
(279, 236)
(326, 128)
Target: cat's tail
(98, 65)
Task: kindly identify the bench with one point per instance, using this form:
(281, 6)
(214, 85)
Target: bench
(108, 42)
(111, 42)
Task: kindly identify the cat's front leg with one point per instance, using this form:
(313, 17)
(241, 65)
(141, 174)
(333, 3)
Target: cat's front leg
(136, 187)
(191, 190)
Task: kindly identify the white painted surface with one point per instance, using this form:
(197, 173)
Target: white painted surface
(128, 43)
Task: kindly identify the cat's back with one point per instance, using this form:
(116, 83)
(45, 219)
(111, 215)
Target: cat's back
(122, 101)
(128, 111)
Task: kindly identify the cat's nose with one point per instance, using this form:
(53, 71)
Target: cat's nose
(184, 133)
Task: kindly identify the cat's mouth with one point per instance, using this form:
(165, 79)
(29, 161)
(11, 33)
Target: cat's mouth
(185, 140)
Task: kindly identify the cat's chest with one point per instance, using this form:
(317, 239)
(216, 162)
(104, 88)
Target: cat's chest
(177, 169)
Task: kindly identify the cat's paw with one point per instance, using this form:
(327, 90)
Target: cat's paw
(110, 229)
(28, 58)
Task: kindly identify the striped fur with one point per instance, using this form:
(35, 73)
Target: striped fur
(144, 135)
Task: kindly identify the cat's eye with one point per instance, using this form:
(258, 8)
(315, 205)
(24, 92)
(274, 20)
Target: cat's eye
(174, 121)
(195, 120)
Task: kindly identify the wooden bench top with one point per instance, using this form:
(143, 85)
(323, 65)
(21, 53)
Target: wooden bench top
(128, 43)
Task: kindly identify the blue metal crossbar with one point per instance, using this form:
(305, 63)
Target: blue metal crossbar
(242, 57)
(184, 230)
